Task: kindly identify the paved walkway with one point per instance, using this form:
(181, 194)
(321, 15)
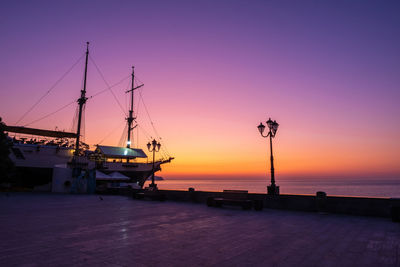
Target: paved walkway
(83, 230)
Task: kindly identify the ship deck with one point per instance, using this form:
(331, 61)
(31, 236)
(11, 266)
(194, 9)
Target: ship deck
(84, 230)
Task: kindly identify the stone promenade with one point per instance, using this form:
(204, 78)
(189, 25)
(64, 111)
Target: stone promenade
(83, 230)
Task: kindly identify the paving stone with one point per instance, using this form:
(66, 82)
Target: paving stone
(82, 230)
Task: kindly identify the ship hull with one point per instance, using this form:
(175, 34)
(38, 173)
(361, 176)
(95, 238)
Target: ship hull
(31, 176)
(137, 172)
(34, 165)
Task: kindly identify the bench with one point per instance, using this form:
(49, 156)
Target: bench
(149, 193)
(232, 198)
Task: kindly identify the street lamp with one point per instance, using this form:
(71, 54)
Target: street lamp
(272, 189)
(154, 147)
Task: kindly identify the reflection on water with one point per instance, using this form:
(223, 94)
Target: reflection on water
(341, 187)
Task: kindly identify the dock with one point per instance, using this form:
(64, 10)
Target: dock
(114, 230)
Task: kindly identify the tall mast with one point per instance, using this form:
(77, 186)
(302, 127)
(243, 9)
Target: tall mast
(81, 102)
(130, 119)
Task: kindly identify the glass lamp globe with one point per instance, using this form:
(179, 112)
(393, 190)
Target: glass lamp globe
(261, 128)
(275, 126)
(270, 123)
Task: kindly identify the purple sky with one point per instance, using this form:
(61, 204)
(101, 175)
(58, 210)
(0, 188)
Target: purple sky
(327, 71)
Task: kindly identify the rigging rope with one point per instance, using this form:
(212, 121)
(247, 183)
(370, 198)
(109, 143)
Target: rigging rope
(83, 128)
(136, 109)
(124, 137)
(113, 130)
(48, 115)
(74, 121)
(138, 102)
(109, 87)
(148, 136)
(138, 81)
(137, 135)
(51, 88)
(127, 96)
(152, 125)
(164, 149)
(74, 124)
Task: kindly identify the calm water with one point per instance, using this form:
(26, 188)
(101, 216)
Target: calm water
(339, 187)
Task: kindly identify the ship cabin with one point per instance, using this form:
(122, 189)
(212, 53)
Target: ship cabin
(108, 154)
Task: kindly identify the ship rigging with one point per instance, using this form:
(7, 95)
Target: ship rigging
(108, 158)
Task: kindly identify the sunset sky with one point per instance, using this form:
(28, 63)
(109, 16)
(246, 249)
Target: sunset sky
(327, 71)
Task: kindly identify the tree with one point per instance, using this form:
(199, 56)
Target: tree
(6, 165)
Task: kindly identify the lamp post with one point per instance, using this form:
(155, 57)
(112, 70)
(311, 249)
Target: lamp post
(272, 189)
(154, 147)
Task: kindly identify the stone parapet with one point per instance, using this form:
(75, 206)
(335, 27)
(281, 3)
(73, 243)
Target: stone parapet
(364, 206)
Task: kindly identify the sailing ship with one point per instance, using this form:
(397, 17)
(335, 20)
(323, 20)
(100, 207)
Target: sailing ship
(35, 158)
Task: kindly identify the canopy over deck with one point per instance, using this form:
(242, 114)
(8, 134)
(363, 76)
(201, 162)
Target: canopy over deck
(113, 177)
(120, 152)
(102, 176)
(117, 175)
(40, 132)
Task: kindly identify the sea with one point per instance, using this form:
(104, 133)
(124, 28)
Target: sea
(335, 187)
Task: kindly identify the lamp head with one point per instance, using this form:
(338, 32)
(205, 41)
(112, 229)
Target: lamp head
(148, 146)
(261, 128)
(275, 126)
(158, 146)
(270, 123)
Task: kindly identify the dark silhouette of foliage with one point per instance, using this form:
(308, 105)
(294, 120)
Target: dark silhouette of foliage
(6, 165)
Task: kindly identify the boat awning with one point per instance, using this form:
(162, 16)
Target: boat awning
(101, 176)
(113, 177)
(118, 176)
(120, 152)
(40, 132)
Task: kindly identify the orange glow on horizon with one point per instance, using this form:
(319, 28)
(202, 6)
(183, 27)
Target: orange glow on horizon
(209, 82)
